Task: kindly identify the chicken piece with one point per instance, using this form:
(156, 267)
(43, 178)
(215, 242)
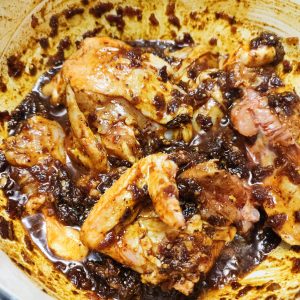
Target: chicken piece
(102, 61)
(163, 255)
(253, 115)
(224, 198)
(64, 241)
(39, 139)
(283, 206)
(262, 51)
(36, 152)
(195, 60)
(257, 57)
(53, 239)
(154, 172)
(118, 127)
(84, 145)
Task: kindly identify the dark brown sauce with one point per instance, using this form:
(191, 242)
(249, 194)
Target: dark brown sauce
(239, 257)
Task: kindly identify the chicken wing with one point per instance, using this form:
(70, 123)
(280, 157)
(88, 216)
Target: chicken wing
(224, 198)
(154, 242)
(39, 146)
(102, 60)
(39, 138)
(85, 146)
(171, 258)
(156, 174)
(253, 114)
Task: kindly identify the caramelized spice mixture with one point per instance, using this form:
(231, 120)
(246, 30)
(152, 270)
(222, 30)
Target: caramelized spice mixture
(158, 175)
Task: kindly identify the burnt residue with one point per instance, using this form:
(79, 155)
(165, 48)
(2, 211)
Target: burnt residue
(296, 265)
(34, 21)
(172, 18)
(92, 33)
(259, 173)
(286, 66)
(178, 121)
(71, 203)
(100, 9)
(15, 198)
(130, 12)
(228, 147)
(44, 42)
(58, 58)
(268, 79)
(163, 74)
(31, 105)
(6, 229)
(116, 20)
(110, 279)
(205, 122)
(185, 40)
(3, 86)
(73, 11)
(135, 57)
(221, 15)
(153, 20)
(54, 23)
(272, 40)
(283, 102)
(15, 66)
(226, 81)
(189, 190)
(277, 221)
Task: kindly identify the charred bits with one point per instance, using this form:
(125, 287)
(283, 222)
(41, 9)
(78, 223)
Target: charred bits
(153, 20)
(130, 12)
(100, 9)
(59, 57)
(204, 122)
(6, 229)
(296, 265)
(135, 57)
(271, 40)
(283, 102)
(163, 74)
(73, 11)
(221, 15)
(172, 18)
(34, 21)
(44, 42)
(15, 66)
(277, 221)
(116, 20)
(159, 102)
(53, 23)
(3, 87)
(178, 121)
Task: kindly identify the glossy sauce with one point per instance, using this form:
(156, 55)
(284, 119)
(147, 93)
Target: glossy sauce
(239, 257)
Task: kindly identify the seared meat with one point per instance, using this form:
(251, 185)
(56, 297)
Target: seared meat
(154, 173)
(153, 243)
(276, 138)
(84, 145)
(170, 156)
(253, 115)
(224, 199)
(37, 146)
(38, 139)
(101, 61)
